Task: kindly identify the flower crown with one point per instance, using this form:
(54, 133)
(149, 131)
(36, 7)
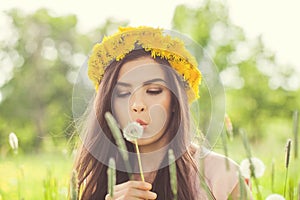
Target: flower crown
(118, 45)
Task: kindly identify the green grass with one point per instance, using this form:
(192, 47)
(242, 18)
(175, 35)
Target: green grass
(271, 149)
(31, 171)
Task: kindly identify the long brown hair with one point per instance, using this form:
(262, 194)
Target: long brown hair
(92, 174)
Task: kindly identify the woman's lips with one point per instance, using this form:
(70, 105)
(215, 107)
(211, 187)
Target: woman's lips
(142, 123)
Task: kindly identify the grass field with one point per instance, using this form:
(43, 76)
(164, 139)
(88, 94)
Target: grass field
(24, 176)
(272, 152)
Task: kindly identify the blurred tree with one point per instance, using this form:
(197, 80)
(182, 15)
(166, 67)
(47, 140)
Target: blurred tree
(44, 54)
(258, 90)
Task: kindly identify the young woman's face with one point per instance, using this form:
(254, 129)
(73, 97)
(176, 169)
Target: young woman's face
(142, 95)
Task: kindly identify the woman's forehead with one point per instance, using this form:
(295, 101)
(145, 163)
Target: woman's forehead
(141, 70)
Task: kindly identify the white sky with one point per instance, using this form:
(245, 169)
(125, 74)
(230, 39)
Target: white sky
(278, 21)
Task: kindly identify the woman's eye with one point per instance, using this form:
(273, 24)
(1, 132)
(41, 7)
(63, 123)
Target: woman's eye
(154, 91)
(123, 94)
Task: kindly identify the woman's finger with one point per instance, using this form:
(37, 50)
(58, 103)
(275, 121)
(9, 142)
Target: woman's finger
(133, 184)
(135, 193)
(107, 197)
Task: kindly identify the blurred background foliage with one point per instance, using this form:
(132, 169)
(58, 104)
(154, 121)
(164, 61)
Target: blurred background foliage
(260, 93)
(40, 55)
(40, 60)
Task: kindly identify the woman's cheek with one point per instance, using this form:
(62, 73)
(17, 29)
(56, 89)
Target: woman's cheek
(120, 111)
(158, 115)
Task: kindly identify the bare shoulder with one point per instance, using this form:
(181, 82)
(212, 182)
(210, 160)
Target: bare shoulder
(221, 173)
(218, 164)
(213, 161)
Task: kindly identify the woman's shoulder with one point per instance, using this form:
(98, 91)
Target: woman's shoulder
(212, 158)
(218, 165)
(221, 172)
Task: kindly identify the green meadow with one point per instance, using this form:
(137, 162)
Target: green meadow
(35, 176)
(47, 175)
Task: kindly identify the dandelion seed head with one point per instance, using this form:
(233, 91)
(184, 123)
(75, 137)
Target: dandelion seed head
(275, 197)
(133, 131)
(13, 141)
(259, 167)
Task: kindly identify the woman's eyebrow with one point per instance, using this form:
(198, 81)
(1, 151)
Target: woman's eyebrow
(154, 80)
(145, 83)
(123, 84)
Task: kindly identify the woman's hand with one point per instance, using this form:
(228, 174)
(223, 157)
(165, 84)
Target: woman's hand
(132, 190)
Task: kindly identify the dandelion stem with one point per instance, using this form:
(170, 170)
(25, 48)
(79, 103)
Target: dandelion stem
(139, 160)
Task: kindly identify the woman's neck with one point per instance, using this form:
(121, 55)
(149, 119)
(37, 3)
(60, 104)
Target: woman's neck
(149, 176)
(152, 156)
(155, 146)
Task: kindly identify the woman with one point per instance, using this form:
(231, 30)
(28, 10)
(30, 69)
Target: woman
(144, 76)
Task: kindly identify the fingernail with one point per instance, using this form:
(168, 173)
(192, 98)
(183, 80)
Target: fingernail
(148, 185)
(154, 195)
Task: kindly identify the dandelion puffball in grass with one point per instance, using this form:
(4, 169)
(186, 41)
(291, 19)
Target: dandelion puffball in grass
(259, 167)
(133, 131)
(275, 197)
(13, 141)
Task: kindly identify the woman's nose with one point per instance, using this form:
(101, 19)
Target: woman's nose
(138, 108)
(137, 103)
